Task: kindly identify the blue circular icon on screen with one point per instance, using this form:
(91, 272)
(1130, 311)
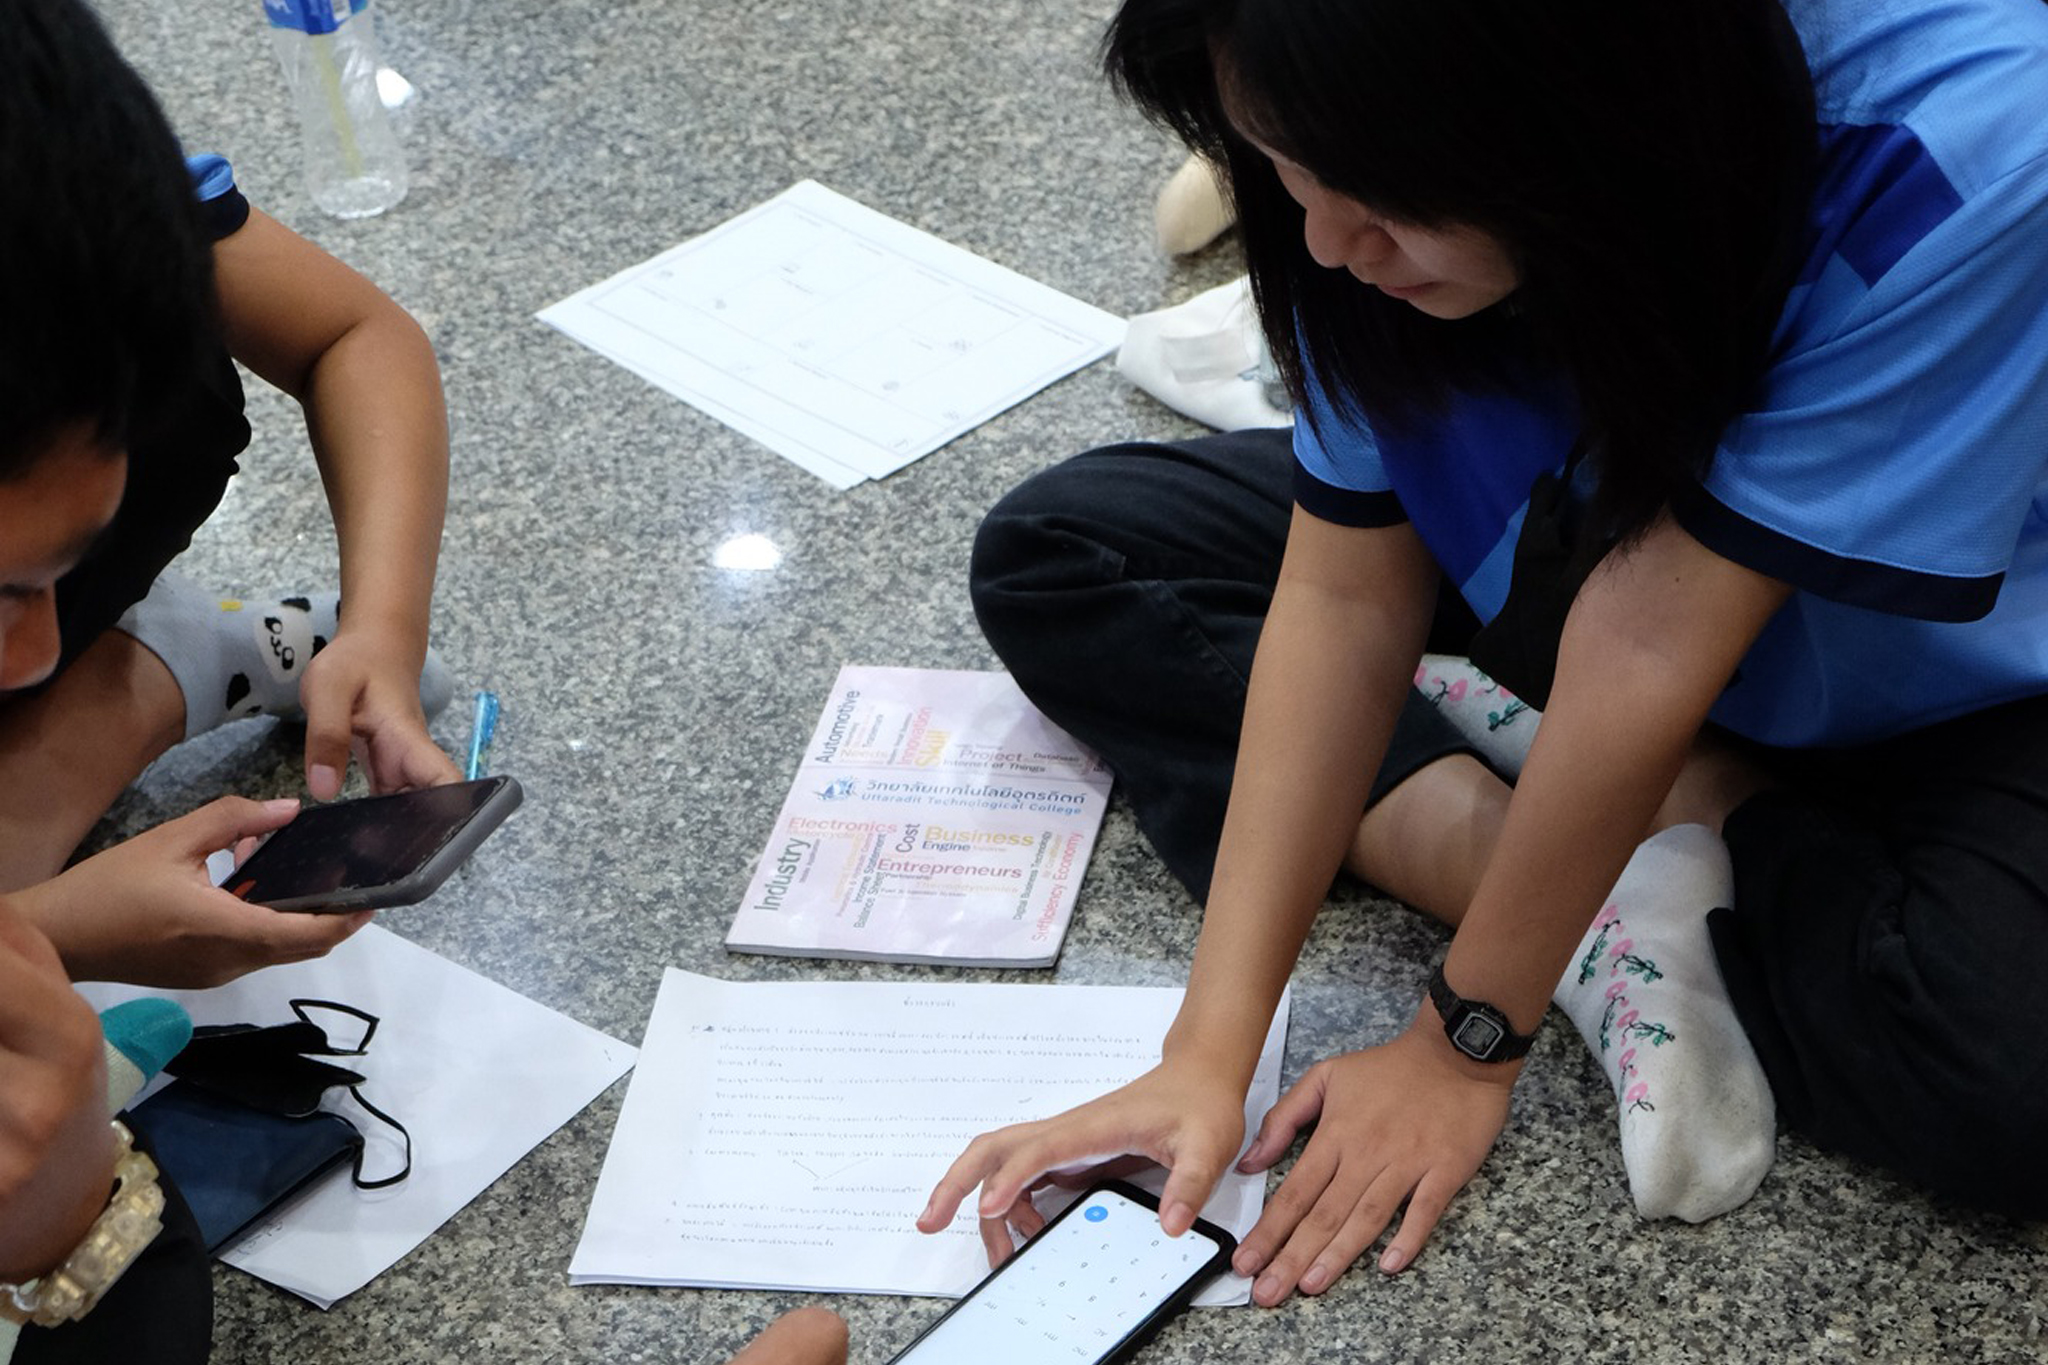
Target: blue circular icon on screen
(1096, 1214)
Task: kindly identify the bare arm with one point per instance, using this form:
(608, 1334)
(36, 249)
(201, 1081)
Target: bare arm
(1348, 622)
(802, 1336)
(146, 911)
(1650, 644)
(1335, 659)
(366, 376)
(56, 1151)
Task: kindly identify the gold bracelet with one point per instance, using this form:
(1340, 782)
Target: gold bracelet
(130, 1222)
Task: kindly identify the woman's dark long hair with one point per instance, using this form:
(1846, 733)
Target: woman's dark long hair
(1647, 164)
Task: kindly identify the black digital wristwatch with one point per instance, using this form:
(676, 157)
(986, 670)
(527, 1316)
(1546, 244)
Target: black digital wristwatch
(1475, 1028)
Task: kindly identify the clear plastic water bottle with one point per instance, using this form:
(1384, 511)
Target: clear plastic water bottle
(354, 166)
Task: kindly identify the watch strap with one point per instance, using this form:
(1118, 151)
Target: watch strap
(1475, 1028)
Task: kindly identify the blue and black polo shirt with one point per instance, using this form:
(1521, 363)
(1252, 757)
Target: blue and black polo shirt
(1895, 468)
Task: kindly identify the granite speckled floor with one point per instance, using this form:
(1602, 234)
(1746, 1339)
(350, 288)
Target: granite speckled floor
(652, 700)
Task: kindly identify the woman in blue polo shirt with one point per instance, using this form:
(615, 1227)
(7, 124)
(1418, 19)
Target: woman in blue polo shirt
(1686, 365)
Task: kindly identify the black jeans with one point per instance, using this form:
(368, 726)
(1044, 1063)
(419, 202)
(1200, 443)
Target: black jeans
(1125, 591)
(1888, 951)
(1888, 946)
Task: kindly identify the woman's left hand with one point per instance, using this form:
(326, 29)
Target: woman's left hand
(364, 691)
(1410, 1120)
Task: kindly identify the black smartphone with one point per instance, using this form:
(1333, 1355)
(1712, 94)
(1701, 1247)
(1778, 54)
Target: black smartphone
(1091, 1288)
(374, 851)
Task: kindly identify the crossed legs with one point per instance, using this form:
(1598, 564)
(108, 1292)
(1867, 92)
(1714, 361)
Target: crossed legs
(1126, 589)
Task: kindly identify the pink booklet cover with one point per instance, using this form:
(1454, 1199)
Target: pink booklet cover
(936, 817)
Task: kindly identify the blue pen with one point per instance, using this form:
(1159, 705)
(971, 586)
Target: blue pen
(481, 728)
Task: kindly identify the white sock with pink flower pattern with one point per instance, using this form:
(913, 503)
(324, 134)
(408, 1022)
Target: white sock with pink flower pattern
(1698, 1125)
(1492, 719)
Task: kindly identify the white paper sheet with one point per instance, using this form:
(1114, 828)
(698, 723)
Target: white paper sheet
(785, 1135)
(834, 335)
(479, 1074)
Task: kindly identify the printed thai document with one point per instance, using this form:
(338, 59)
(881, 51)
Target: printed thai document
(836, 336)
(785, 1135)
(478, 1074)
(936, 816)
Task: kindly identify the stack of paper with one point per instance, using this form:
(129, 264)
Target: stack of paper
(840, 338)
(785, 1135)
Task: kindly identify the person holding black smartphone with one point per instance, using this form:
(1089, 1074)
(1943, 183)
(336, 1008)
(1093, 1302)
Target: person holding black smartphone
(129, 274)
(135, 278)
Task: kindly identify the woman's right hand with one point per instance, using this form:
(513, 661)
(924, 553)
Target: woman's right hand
(1179, 1114)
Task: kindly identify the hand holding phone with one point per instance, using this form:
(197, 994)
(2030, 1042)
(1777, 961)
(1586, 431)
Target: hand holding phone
(146, 911)
(1089, 1289)
(376, 851)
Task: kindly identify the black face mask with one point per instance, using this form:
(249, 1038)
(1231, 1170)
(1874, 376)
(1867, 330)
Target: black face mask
(275, 1070)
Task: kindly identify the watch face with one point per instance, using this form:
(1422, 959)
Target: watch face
(1478, 1036)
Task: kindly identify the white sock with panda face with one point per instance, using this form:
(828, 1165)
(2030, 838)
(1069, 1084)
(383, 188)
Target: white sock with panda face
(1698, 1124)
(234, 659)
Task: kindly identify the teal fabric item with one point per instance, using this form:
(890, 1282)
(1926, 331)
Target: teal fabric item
(142, 1036)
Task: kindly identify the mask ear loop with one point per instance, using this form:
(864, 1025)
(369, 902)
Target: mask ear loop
(377, 1113)
(299, 1007)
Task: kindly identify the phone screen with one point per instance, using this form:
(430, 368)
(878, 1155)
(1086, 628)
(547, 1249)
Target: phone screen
(374, 841)
(1078, 1291)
